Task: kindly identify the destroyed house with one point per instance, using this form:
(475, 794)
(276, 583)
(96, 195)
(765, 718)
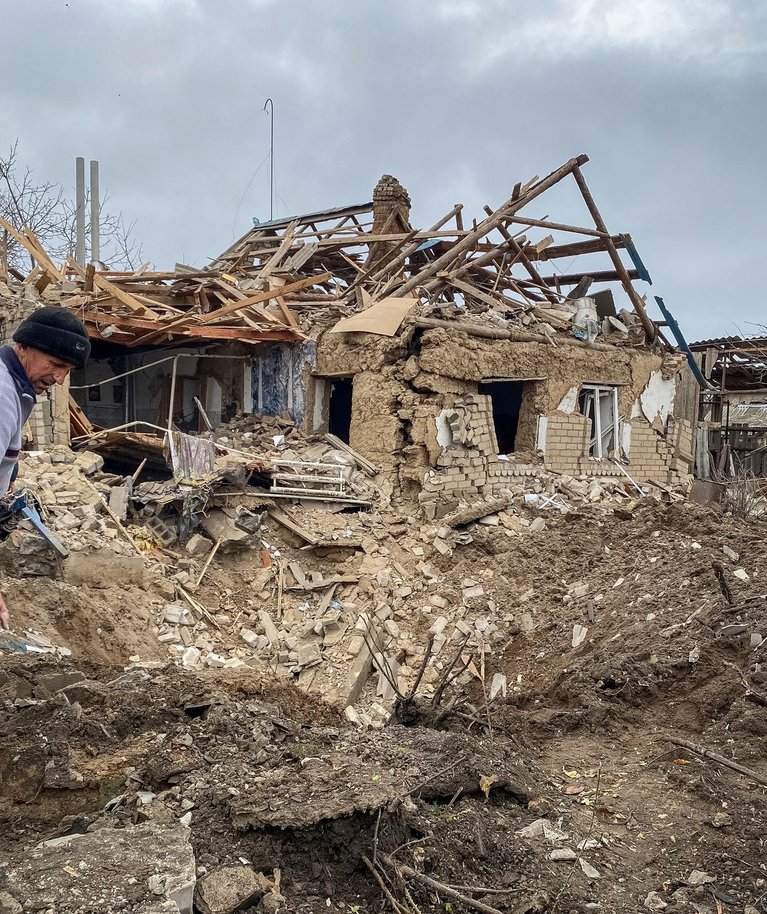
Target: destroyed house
(455, 360)
(463, 356)
(731, 431)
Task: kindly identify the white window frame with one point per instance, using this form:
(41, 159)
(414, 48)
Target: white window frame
(604, 441)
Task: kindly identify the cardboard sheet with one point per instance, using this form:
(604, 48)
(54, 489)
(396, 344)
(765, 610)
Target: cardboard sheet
(382, 317)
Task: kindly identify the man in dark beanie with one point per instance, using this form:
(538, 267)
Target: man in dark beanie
(49, 344)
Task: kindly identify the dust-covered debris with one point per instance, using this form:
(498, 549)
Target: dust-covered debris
(311, 702)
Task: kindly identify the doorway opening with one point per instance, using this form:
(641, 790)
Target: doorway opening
(506, 398)
(340, 408)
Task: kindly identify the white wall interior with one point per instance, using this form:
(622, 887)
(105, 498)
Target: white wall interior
(103, 403)
(657, 399)
(213, 401)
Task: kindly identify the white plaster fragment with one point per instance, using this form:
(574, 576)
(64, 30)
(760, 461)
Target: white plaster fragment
(625, 437)
(657, 399)
(540, 438)
(569, 403)
(444, 435)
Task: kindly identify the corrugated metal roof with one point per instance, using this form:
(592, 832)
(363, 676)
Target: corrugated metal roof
(748, 342)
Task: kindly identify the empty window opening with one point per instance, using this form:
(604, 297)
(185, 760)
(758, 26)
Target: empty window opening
(600, 406)
(340, 408)
(506, 398)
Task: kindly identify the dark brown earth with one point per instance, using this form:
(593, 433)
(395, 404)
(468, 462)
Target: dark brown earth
(587, 739)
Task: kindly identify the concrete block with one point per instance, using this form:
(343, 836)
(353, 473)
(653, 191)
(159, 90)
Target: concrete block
(198, 545)
(230, 888)
(119, 497)
(270, 629)
(138, 867)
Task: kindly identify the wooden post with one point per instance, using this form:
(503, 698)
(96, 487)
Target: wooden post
(4, 254)
(649, 327)
(524, 260)
(492, 222)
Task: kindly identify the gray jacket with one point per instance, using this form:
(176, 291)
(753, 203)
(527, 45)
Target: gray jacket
(17, 397)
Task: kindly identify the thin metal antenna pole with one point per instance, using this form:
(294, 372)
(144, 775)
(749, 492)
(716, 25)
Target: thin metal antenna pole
(271, 159)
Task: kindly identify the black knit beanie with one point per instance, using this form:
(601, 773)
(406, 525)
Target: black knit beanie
(56, 332)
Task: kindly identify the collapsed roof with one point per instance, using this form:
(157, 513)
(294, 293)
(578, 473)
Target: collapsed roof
(288, 278)
(734, 363)
(489, 269)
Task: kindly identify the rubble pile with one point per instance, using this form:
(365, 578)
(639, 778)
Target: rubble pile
(72, 491)
(485, 655)
(571, 694)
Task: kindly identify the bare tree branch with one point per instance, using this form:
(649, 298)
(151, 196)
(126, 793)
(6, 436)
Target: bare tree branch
(46, 210)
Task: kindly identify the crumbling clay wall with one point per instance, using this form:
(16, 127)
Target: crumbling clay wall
(419, 414)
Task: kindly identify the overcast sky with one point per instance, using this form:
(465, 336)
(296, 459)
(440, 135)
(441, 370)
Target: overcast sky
(457, 98)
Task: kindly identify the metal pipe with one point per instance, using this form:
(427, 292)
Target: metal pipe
(80, 210)
(275, 461)
(168, 358)
(95, 213)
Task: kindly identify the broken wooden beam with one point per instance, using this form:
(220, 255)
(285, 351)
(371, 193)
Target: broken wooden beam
(366, 466)
(495, 333)
(477, 511)
(492, 222)
(649, 327)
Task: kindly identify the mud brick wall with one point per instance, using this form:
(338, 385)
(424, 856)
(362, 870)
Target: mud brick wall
(417, 411)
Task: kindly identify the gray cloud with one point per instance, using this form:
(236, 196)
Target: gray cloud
(459, 99)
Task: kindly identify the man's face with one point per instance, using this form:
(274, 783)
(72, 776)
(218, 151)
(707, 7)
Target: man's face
(43, 370)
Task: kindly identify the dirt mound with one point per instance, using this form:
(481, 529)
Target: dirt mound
(587, 735)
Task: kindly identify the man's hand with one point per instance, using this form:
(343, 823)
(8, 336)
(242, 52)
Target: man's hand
(5, 616)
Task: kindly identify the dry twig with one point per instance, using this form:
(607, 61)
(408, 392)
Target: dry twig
(439, 887)
(720, 760)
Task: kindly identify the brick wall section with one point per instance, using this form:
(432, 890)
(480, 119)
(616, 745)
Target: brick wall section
(664, 459)
(567, 441)
(470, 467)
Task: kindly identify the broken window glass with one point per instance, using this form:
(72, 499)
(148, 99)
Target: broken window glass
(600, 406)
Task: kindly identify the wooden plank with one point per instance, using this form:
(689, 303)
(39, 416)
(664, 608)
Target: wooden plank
(43, 258)
(469, 289)
(572, 279)
(488, 225)
(78, 420)
(267, 294)
(649, 327)
(366, 466)
(126, 298)
(557, 226)
(124, 321)
(165, 328)
(178, 276)
(277, 256)
(4, 253)
(231, 291)
(290, 318)
(523, 259)
(284, 519)
(34, 250)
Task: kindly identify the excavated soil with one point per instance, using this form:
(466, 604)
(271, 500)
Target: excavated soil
(589, 739)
